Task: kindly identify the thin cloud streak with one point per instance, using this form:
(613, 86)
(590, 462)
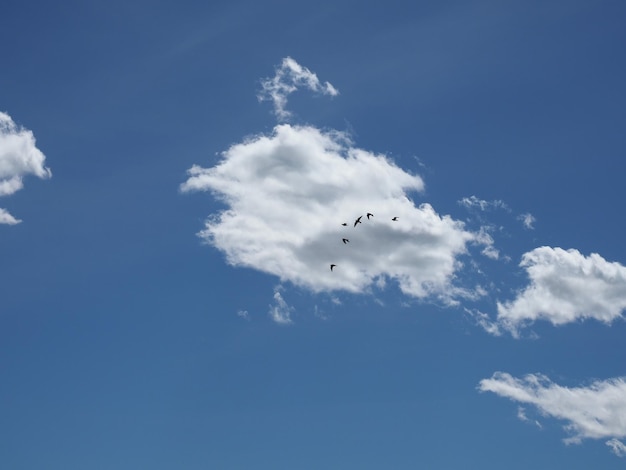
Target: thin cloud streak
(595, 411)
(473, 202)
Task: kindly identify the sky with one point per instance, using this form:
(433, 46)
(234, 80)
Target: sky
(174, 182)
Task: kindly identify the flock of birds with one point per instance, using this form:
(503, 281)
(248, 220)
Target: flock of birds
(356, 222)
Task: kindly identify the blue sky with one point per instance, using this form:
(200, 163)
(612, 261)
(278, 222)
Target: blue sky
(173, 179)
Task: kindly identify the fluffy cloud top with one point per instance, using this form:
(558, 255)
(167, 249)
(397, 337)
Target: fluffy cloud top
(18, 157)
(566, 286)
(597, 411)
(288, 194)
(288, 78)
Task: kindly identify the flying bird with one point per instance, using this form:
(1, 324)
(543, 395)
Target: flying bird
(394, 219)
(369, 214)
(358, 221)
(332, 266)
(344, 224)
(345, 240)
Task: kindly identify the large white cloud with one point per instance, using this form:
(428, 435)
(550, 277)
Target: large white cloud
(596, 411)
(566, 286)
(288, 78)
(287, 195)
(19, 156)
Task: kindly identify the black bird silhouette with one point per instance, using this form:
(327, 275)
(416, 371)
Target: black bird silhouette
(345, 240)
(358, 221)
(395, 218)
(369, 214)
(332, 266)
(344, 224)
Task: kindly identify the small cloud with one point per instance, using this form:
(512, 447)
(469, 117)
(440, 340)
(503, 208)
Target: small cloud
(565, 286)
(528, 220)
(595, 411)
(521, 414)
(491, 252)
(243, 314)
(288, 78)
(474, 202)
(19, 156)
(6, 218)
(483, 320)
(319, 313)
(483, 237)
(280, 311)
(617, 447)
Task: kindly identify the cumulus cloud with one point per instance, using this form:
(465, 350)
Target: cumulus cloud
(287, 195)
(288, 78)
(596, 411)
(19, 157)
(566, 286)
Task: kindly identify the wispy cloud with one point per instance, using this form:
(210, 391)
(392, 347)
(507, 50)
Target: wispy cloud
(521, 414)
(595, 411)
(288, 78)
(19, 156)
(280, 311)
(6, 218)
(473, 202)
(288, 194)
(528, 220)
(617, 447)
(243, 314)
(566, 286)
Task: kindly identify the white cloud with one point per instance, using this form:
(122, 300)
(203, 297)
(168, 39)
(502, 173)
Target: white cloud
(521, 414)
(473, 202)
(617, 447)
(597, 411)
(6, 218)
(287, 195)
(566, 286)
(528, 220)
(288, 78)
(243, 314)
(280, 311)
(19, 156)
(484, 238)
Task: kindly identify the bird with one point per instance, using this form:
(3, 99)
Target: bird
(332, 266)
(344, 224)
(369, 214)
(358, 221)
(394, 219)
(345, 240)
